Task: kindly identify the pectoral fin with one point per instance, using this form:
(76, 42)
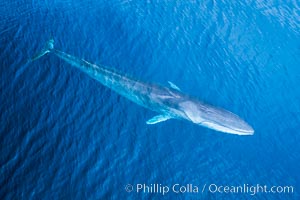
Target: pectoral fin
(172, 85)
(158, 118)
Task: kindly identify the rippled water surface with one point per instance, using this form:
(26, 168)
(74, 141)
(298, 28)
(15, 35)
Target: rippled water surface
(65, 136)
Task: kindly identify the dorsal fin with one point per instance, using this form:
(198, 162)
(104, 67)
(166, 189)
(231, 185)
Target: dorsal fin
(172, 85)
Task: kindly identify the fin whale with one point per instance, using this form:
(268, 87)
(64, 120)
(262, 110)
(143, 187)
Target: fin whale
(169, 102)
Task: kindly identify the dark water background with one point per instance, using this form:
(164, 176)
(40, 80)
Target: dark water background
(65, 136)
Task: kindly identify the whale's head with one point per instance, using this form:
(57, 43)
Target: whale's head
(215, 118)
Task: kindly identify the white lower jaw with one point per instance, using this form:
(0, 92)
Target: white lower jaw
(225, 129)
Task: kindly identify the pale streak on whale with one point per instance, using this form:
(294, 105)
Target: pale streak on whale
(170, 103)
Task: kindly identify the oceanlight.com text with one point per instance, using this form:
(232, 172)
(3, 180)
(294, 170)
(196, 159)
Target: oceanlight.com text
(249, 189)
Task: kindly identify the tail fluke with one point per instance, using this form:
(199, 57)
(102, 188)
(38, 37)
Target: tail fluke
(48, 47)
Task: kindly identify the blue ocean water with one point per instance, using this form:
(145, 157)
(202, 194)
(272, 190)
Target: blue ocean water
(65, 136)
